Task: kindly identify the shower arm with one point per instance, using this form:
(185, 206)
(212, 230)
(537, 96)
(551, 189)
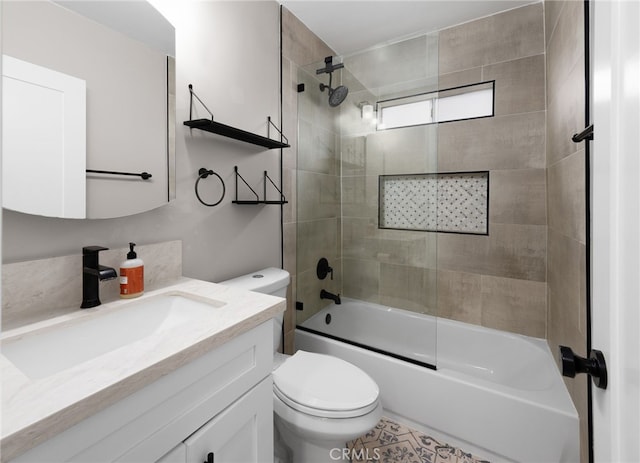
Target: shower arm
(323, 86)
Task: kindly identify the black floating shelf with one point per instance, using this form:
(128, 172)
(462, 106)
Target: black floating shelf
(209, 125)
(259, 202)
(235, 201)
(231, 132)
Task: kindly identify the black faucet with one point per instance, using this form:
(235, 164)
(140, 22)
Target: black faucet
(92, 274)
(327, 295)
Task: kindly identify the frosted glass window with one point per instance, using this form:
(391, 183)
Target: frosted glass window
(405, 115)
(465, 106)
(454, 104)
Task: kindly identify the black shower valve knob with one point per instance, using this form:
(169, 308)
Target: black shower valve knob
(323, 269)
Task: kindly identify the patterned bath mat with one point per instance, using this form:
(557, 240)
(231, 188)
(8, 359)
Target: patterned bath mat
(392, 442)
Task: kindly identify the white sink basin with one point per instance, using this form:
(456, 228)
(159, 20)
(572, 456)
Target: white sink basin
(63, 346)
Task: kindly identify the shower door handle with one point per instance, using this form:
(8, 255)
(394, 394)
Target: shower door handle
(595, 366)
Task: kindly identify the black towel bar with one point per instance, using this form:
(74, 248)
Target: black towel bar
(144, 175)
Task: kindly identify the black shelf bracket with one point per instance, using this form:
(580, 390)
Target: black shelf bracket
(282, 199)
(271, 124)
(257, 200)
(251, 201)
(192, 94)
(209, 125)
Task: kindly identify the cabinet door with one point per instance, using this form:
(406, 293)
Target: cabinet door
(242, 433)
(55, 158)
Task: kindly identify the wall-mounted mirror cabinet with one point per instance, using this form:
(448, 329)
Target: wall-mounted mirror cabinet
(87, 86)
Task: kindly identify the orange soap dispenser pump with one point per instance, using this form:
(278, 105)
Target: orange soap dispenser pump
(132, 275)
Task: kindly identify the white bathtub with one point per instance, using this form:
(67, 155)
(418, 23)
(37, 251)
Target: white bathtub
(493, 390)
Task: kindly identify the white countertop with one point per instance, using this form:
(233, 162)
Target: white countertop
(34, 410)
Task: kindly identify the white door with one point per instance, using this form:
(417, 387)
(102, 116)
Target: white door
(616, 227)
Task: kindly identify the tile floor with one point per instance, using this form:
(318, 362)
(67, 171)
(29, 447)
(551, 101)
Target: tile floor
(392, 442)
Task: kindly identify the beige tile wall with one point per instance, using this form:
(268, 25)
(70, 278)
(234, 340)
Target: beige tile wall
(499, 38)
(527, 276)
(390, 267)
(319, 221)
(499, 280)
(566, 319)
(36, 290)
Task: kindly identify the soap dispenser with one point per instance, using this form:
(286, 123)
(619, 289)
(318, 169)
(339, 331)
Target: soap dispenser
(132, 275)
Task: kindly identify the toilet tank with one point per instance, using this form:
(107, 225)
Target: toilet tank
(272, 281)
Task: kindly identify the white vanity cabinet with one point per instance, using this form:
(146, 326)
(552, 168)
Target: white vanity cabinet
(220, 403)
(240, 434)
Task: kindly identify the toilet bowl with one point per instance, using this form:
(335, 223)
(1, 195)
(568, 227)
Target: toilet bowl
(320, 402)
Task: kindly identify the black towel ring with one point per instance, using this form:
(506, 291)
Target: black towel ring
(204, 173)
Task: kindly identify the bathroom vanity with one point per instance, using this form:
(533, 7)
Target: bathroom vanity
(194, 387)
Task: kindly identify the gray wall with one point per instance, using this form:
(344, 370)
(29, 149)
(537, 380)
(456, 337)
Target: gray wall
(566, 191)
(230, 52)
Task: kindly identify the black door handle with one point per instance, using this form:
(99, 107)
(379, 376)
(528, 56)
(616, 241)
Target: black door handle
(209, 458)
(595, 365)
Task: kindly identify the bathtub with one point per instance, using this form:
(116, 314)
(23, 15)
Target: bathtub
(494, 391)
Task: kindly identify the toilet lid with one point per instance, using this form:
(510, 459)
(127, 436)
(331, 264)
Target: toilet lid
(323, 385)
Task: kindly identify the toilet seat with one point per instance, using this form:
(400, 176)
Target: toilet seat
(324, 386)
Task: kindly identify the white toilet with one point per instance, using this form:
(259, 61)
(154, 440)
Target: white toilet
(320, 401)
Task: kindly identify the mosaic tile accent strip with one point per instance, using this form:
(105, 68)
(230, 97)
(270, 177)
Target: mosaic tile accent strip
(443, 202)
(392, 442)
